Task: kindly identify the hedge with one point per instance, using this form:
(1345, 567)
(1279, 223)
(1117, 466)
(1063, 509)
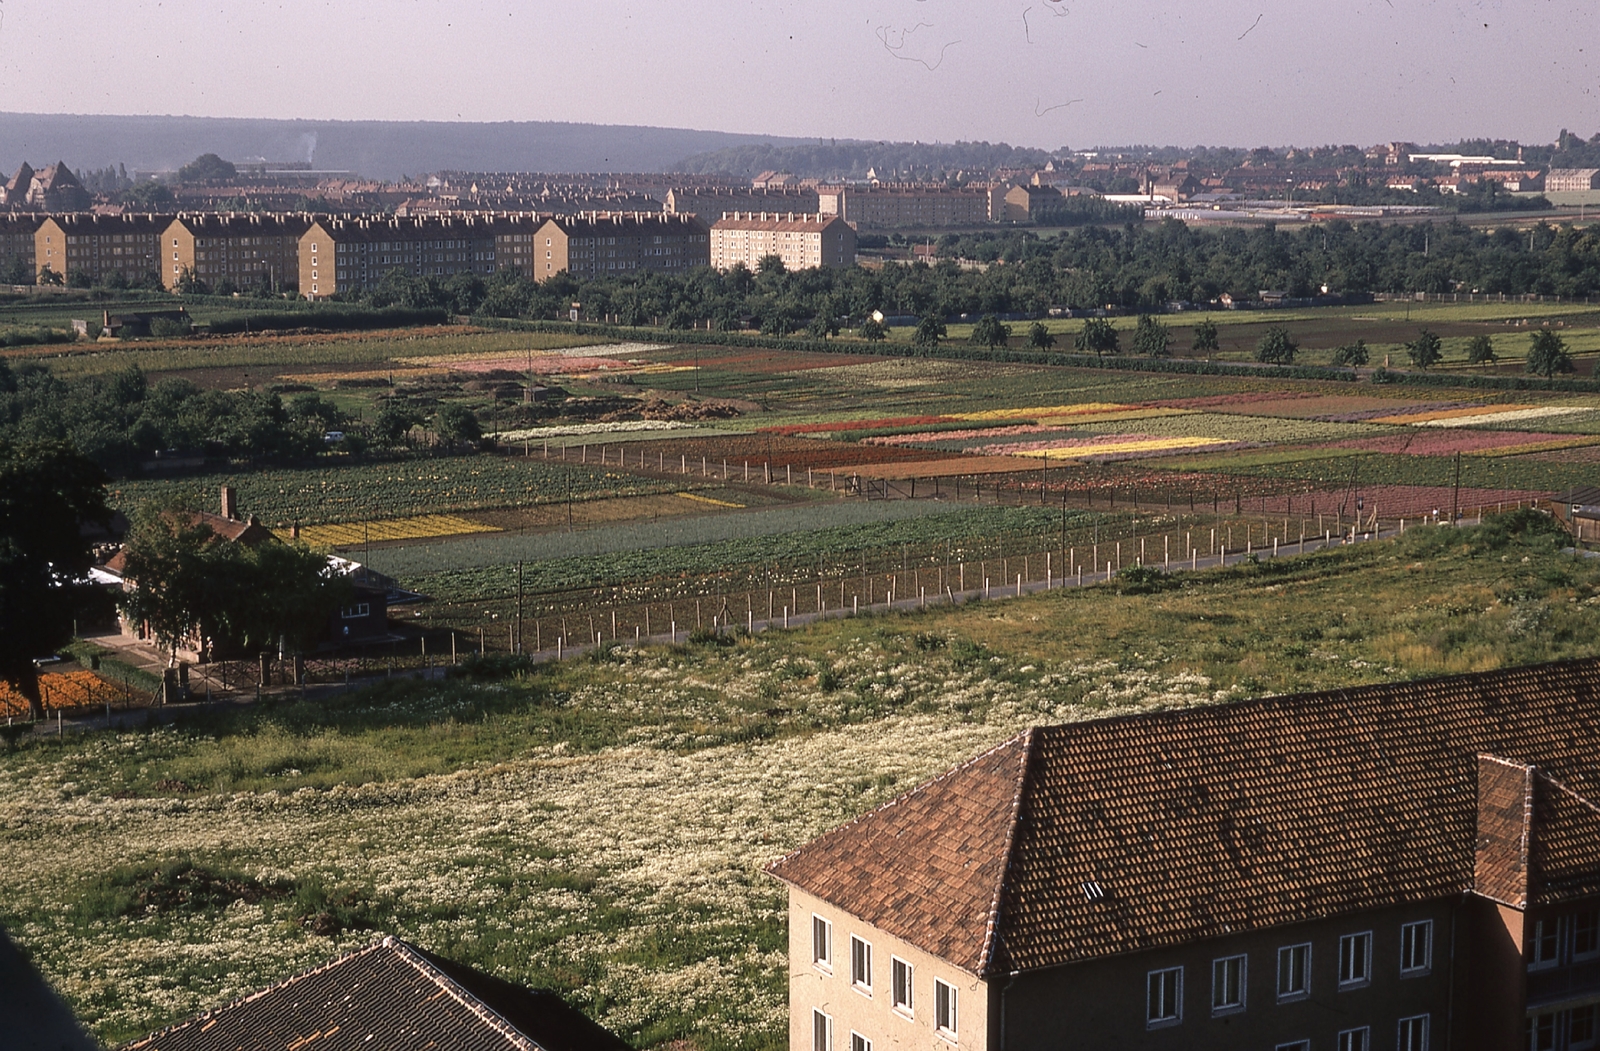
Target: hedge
(331, 318)
(1489, 382)
(945, 351)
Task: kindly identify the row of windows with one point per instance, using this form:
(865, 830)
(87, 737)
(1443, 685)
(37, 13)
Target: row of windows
(902, 982)
(1555, 940)
(1229, 974)
(1577, 1029)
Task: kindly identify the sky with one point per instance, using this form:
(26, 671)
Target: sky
(1046, 73)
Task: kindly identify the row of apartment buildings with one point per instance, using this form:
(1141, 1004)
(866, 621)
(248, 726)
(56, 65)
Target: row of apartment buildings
(876, 205)
(325, 255)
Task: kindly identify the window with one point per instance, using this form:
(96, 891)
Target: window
(861, 964)
(1542, 1033)
(1227, 984)
(1355, 960)
(1544, 947)
(1581, 1028)
(1586, 934)
(1413, 1034)
(859, 1042)
(944, 1008)
(1164, 999)
(821, 1032)
(900, 985)
(1294, 972)
(1354, 1040)
(1416, 948)
(821, 943)
(1294, 1045)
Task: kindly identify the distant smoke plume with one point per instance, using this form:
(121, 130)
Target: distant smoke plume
(308, 143)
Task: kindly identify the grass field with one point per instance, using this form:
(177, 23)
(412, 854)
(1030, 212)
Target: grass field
(598, 827)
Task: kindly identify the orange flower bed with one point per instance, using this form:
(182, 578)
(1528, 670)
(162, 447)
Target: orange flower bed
(63, 690)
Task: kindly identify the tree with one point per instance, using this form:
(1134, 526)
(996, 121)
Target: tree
(872, 331)
(1547, 354)
(1151, 337)
(930, 330)
(990, 332)
(1352, 353)
(1039, 337)
(1277, 347)
(1481, 351)
(457, 423)
(148, 196)
(292, 596)
(394, 422)
(1424, 351)
(19, 273)
(48, 276)
(1097, 335)
(208, 168)
(1205, 338)
(47, 492)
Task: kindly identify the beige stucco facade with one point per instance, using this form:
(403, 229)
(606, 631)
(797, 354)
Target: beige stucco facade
(814, 986)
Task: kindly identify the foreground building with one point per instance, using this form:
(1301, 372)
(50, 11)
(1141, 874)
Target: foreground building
(889, 205)
(389, 996)
(801, 241)
(101, 248)
(352, 254)
(242, 250)
(599, 244)
(1407, 866)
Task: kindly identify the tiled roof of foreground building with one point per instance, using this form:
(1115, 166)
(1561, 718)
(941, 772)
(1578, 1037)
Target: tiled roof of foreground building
(1117, 835)
(393, 996)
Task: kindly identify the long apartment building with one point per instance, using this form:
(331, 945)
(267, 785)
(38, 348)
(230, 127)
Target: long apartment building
(98, 246)
(887, 205)
(801, 241)
(16, 245)
(598, 244)
(242, 250)
(350, 254)
(712, 202)
(1410, 866)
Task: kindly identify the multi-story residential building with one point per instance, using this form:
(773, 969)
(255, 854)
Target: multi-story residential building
(56, 189)
(597, 243)
(711, 202)
(350, 254)
(801, 241)
(1026, 203)
(242, 250)
(1412, 866)
(15, 192)
(16, 247)
(1571, 180)
(913, 204)
(96, 247)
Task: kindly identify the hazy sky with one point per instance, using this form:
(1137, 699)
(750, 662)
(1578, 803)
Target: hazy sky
(1030, 72)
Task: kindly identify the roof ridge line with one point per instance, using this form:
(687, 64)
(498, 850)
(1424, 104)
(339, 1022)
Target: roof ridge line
(465, 998)
(1569, 790)
(991, 933)
(913, 790)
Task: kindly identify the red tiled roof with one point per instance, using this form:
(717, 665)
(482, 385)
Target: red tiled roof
(1154, 830)
(390, 996)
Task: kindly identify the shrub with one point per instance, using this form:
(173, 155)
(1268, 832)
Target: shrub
(1276, 347)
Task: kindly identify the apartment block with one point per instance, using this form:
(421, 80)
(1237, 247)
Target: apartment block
(243, 250)
(596, 244)
(1412, 866)
(712, 202)
(1571, 180)
(16, 245)
(888, 205)
(801, 241)
(350, 254)
(99, 246)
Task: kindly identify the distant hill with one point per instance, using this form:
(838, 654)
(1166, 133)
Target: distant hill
(377, 149)
(848, 158)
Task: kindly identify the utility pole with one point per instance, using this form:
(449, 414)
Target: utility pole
(519, 607)
(1455, 494)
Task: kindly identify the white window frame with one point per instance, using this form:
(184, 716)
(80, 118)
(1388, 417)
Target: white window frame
(1286, 953)
(1355, 960)
(1413, 1024)
(946, 1009)
(821, 943)
(1557, 925)
(902, 980)
(861, 965)
(1594, 1031)
(1551, 1020)
(1219, 967)
(860, 1042)
(1294, 1045)
(821, 1030)
(1174, 1011)
(1358, 1039)
(1409, 932)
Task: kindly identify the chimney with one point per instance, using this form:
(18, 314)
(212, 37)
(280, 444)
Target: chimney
(230, 502)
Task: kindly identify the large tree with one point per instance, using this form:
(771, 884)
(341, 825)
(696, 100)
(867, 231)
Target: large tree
(1425, 350)
(47, 493)
(1277, 347)
(1547, 354)
(990, 332)
(1151, 337)
(1097, 335)
(1205, 338)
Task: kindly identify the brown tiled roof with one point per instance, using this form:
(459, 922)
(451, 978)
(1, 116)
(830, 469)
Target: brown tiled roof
(393, 996)
(1154, 830)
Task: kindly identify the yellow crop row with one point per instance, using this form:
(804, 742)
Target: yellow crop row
(1552, 445)
(1041, 412)
(419, 527)
(697, 498)
(1115, 417)
(1143, 445)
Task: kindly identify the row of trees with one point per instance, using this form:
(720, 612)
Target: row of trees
(1138, 267)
